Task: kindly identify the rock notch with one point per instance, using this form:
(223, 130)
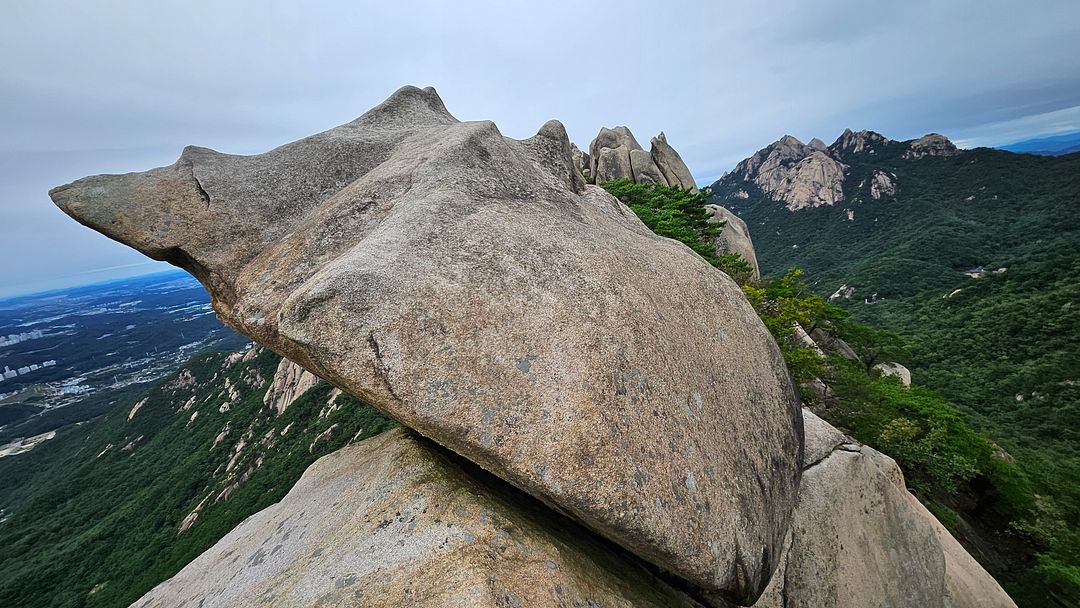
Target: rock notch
(474, 288)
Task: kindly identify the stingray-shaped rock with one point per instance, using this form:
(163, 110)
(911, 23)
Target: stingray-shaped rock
(475, 289)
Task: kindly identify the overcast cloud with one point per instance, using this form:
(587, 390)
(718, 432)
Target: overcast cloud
(92, 87)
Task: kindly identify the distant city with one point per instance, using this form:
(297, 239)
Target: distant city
(26, 369)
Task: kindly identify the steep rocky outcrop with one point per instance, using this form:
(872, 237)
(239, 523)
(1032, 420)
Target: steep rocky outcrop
(616, 154)
(882, 184)
(860, 539)
(474, 288)
(797, 174)
(858, 142)
(671, 164)
(735, 236)
(803, 176)
(397, 521)
(932, 144)
(290, 381)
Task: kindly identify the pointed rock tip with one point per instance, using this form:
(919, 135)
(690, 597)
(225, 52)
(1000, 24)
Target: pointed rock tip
(554, 129)
(420, 105)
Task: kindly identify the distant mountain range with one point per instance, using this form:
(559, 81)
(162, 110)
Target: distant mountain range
(1056, 145)
(970, 255)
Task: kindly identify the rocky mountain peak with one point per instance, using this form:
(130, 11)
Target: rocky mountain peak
(931, 144)
(857, 142)
(616, 154)
(798, 174)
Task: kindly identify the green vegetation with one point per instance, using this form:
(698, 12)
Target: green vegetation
(678, 214)
(1002, 350)
(93, 517)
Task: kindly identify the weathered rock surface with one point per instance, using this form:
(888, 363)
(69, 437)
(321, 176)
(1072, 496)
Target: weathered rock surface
(932, 144)
(396, 521)
(882, 184)
(645, 170)
(794, 173)
(860, 539)
(671, 164)
(474, 288)
(735, 236)
(618, 142)
(616, 154)
(290, 381)
(810, 175)
(858, 142)
(612, 164)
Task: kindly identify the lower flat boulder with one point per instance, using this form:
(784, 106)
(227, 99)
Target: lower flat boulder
(475, 289)
(396, 521)
(859, 539)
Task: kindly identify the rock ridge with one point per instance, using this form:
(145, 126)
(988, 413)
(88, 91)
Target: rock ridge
(803, 176)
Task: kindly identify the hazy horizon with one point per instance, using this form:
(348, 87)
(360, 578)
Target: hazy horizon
(111, 88)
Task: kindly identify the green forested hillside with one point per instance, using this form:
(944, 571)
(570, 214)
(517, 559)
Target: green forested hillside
(96, 517)
(1004, 348)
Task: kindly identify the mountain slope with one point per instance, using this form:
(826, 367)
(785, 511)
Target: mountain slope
(116, 505)
(904, 255)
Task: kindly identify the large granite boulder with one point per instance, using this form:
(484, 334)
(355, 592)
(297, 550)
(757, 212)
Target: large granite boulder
(671, 164)
(609, 154)
(397, 521)
(474, 288)
(734, 237)
(612, 164)
(859, 539)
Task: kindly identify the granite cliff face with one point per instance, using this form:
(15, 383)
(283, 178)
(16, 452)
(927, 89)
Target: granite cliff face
(803, 176)
(800, 175)
(638, 437)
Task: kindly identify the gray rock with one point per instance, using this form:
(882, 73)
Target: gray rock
(858, 142)
(828, 341)
(794, 173)
(932, 144)
(613, 163)
(671, 164)
(474, 288)
(860, 539)
(616, 162)
(396, 521)
(644, 169)
(735, 237)
(882, 184)
(289, 383)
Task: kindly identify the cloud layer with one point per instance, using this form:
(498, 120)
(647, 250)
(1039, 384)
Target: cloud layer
(123, 86)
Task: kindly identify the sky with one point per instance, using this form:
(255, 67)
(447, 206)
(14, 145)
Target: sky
(113, 87)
